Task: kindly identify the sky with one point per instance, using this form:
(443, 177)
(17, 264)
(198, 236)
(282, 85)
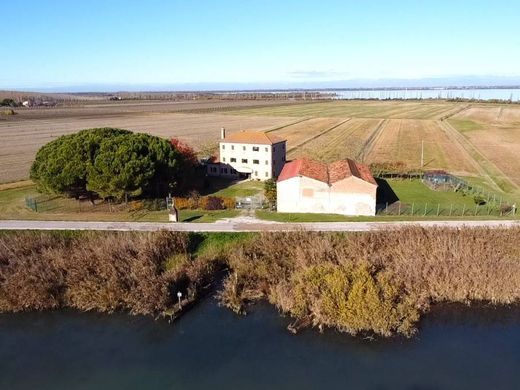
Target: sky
(96, 44)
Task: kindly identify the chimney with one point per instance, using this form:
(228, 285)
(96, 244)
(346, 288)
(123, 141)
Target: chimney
(222, 133)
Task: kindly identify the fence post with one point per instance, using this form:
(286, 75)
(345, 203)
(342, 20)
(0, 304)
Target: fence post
(451, 209)
(425, 209)
(476, 209)
(413, 203)
(399, 212)
(438, 208)
(463, 209)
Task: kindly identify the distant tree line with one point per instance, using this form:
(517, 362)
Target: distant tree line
(7, 102)
(112, 163)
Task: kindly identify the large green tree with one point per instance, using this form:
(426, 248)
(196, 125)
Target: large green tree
(108, 162)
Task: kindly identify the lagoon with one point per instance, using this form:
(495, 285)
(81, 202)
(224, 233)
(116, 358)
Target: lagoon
(212, 348)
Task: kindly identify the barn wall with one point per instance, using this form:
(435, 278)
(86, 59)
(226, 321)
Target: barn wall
(351, 196)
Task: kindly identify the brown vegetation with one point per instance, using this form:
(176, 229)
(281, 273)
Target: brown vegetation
(377, 282)
(138, 273)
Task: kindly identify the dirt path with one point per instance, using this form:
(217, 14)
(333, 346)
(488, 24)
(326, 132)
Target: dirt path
(368, 145)
(244, 225)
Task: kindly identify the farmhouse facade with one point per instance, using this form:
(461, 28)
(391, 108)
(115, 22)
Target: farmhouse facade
(342, 187)
(249, 155)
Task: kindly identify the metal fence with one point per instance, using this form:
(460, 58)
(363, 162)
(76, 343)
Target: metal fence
(445, 210)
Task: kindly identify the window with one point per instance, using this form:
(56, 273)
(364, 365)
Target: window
(244, 160)
(256, 149)
(309, 192)
(232, 147)
(225, 170)
(243, 148)
(233, 159)
(223, 147)
(256, 162)
(266, 174)
(266, 149)
(274, 148)
(223, 159)
(256, 173)
(266, 162)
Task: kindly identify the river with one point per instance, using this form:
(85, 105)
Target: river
(212, 348)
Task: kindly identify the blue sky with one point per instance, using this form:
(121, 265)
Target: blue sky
(58, 44)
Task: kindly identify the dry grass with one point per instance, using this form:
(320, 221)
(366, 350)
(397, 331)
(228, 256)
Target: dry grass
(374, 282)
(401, 141)
(134, 272)
(346, 140)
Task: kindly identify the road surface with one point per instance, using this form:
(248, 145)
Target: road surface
(241, 226)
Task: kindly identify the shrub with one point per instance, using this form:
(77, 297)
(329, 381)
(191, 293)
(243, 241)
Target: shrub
(211, 203)
(373, 282)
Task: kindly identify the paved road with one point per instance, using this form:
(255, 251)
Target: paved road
(253, 226)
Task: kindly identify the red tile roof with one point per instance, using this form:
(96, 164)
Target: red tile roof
(253, 137)
(326, 173)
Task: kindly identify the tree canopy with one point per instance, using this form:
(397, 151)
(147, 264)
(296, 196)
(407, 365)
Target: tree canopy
(111, 163)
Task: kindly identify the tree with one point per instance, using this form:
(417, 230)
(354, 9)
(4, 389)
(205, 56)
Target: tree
(188, 153)
(112, 163)
(270, 192)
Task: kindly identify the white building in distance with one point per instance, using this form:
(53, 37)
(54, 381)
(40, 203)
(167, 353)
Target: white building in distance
(249, 155)
(342, 187)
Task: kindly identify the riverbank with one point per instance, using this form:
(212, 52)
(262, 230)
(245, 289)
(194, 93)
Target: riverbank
(360, 283)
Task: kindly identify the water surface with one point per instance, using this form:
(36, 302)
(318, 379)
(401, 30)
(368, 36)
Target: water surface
(212, 348)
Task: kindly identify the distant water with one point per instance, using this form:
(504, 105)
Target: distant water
(212, 348)
(480, 94)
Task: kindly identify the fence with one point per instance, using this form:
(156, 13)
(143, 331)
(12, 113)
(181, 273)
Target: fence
(250, 202)
(445, 210)
(442, 181)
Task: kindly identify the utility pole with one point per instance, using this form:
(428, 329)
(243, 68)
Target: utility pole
(422, 153)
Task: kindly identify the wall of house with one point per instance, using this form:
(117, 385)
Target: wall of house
(351, 196)
(223, 170)
(265, 163)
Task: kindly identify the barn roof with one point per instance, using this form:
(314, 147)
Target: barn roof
(253, 137)
(326, 173)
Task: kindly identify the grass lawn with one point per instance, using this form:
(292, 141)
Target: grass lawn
(240, 189)
(414, 191)
(12, 206)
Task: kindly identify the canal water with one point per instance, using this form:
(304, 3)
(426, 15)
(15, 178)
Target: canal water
(212, 348)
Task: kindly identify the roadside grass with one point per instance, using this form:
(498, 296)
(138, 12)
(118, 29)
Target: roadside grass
(205, 215)
(12, 206)
(308, 217)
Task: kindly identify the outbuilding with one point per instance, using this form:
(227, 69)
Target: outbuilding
(342, 187)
